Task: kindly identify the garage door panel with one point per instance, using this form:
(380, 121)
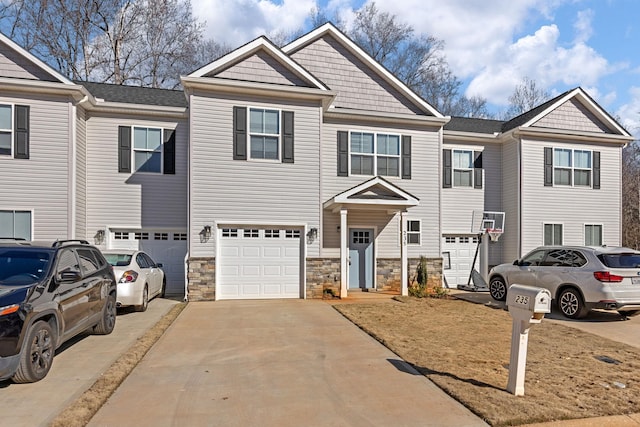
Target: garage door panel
(267, 264)
(462, 250)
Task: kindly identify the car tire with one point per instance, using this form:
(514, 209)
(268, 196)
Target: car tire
(108, 320)
(145, 300)
(498, 288)
(571, 304)
(163, 290)
(628, 313)
(36, 357)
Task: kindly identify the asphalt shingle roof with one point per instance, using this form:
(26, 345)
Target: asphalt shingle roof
(476, 125)
(136, 94)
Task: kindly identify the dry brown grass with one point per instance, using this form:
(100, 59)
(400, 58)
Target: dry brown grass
(80, 412)
(464, 348)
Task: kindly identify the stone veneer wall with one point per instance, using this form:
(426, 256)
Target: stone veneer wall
(434, 271)
(388, 274)
(202, 279)
(323, 273)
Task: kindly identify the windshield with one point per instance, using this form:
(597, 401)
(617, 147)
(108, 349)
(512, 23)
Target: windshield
(624, 260)
(118, 260)
(20, 267)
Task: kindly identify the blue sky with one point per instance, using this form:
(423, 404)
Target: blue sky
(491, 45)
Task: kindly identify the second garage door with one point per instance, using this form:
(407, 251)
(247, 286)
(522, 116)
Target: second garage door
(458, 252)
(260, 262)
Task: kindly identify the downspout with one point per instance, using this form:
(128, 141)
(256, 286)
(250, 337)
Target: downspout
(73, 169)
(189, 192)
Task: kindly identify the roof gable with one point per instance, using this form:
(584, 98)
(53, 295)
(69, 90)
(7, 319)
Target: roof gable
(260, 60)
(16, 62)
(338, 61)
(375, 191)
(573, 110)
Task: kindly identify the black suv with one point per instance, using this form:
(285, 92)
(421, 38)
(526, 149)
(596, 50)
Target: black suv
(48, 294)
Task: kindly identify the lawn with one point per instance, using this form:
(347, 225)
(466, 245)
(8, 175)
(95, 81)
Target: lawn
(464, 348)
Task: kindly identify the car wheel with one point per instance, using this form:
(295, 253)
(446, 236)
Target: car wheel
(164, 287)
(498, 288)
(37, 355)
(108, 320)
(145, 300)
(571, 304)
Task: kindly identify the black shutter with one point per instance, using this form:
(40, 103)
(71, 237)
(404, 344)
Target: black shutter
(406, 157)
(169, 151)
(21, 132)
(446, 168)
(596, 170)
(287, 137)
(239, 133)
(124, 149)
(343, 153)
(477, 169)
(548, 167)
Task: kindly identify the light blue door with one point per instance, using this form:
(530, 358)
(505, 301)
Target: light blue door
(360, 258)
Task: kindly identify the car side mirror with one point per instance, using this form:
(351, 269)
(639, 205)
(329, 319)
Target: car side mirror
(159, 265)
(69, 276)
(516, 262)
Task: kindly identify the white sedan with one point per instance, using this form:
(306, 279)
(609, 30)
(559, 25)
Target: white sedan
(139, 277)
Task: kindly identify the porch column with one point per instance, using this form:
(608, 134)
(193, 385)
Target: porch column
(344, 254)
(404, 288)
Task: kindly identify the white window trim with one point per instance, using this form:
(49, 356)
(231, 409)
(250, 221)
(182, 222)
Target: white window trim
(134, 149)
(419, 233)
(11, 131)
(249, 134)
(552, 223)
(584, 231)
(31, 225)
(454, 169)
(572, 168)
(375, 152)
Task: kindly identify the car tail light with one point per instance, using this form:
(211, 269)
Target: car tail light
(605, 276)
(129, 276)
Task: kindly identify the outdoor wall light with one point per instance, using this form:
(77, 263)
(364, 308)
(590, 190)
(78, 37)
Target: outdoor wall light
(205, 234)
(312, 235)
(99, 237)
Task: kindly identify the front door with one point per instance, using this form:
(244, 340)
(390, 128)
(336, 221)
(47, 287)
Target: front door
(360, 258)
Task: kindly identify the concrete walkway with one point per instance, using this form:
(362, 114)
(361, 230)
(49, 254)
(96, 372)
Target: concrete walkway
(76, 366)
(275, 363)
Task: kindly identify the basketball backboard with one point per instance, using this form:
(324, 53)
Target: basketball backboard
(484, 221)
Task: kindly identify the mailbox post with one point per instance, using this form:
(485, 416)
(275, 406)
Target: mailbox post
(527, 305)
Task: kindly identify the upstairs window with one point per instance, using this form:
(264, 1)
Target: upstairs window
(571, 168)
(6, 129)
(264, 131)
(462, 168)
(147, 149)
(375, 152)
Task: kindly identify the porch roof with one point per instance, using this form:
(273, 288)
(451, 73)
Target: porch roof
(375, 193)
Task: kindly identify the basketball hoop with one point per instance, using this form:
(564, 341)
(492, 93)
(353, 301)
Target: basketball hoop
(494, 233)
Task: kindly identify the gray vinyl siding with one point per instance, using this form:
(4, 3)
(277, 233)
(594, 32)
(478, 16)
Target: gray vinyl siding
(133, 200)
(81, 174)
(357, 86)
(262, 67)
(572, 115)
(40, 183)
(15, 65)
(424, 184)
(224, 190)
(510, 200)
(571, 206)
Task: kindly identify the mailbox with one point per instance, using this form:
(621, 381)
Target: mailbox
(528, 302)
(527, 305)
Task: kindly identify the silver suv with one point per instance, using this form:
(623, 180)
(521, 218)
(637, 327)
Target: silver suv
(579, 278)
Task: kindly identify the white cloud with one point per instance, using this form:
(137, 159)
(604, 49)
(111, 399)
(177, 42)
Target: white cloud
(629, 113)
(236, 22)
(583, 25)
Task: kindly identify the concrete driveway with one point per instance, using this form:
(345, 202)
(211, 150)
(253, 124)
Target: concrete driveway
(275, 363)
(76, 366)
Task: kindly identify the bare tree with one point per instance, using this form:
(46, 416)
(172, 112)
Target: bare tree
(525, 96)
(142, 42)
(418, 61)
(631, 195)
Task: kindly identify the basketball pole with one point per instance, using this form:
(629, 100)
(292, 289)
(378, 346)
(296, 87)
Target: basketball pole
(484, 256)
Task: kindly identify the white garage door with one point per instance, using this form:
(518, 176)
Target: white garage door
(259, 262)
(166, 247)
(458, 253)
